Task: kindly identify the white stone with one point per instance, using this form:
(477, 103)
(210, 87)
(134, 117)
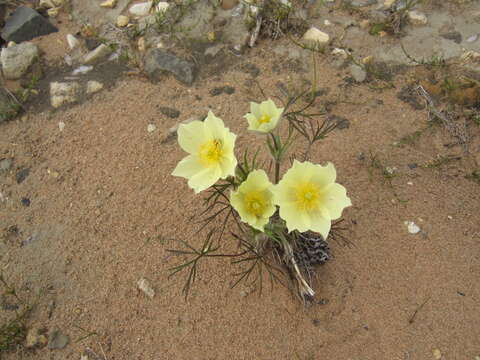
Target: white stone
(340, 52)
(145, 286)
(412, 227)
(11, 43)
(327, 22)
(141, 9)
(96, 54)
(63, 93)
(123, 21)
(142, 46)
(315, 37)
(108, 4)
(388, 3)
(46, 4)
(162, 6)
(151, 128)
(53, 12)
(72, 41)
(417, 17)
(61, 125)
(94, 86)
(81, 70)
(17, 59)
(472, 38)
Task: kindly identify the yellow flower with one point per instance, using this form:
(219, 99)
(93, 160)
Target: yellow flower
(253, 200)
(210, 145)
(263, 117)
(309, 198)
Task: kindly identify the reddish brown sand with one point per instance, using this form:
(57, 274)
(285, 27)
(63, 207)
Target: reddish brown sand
(105, 209)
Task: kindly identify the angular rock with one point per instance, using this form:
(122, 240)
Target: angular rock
(454, 36)
(22, 175)
(94, 86)
(63, 93)
(122, 21)
(35, 338)
(72, 41)
(110, 4)
(57, 340)
(358, 74)
(99, 53)
(5, 164)
(158, 61)
(26, 24)
(362, 3)
(17, 59)
(315, 37)
(417, 17)
(141, 9)
(145, 286)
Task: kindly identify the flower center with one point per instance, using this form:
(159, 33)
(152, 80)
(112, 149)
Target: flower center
(255, 203)
(264, 119)
(307, 196)
(211, 152)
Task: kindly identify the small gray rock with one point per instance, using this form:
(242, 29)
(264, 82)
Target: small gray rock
(5, 164)
(16, 60)
(159, 61)
(26, 24)
(454, 36)
(362, 3)
(170, 112)
(57, 340)
(63, 93)
(357, 72)
(22, 175)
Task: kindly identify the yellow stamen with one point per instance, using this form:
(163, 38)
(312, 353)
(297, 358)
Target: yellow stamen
(255, 203)
(211, 152)
(307, 195)
(264, 119)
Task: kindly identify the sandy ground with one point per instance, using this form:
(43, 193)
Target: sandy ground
(104, 210)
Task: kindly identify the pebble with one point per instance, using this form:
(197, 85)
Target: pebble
(123, 21)
(58, 340)
(141, 9)
(61, 125)
(5, 164)
(229, 4)
(412, 227)
(53, 12)
(388, 3)
(46, 4)
(151, 128)
(35, 338)
(417, 17)
(170, 112)
(72, 41)
(109, 4)
(472, 38)
(81, 70)
(22, 175)
(437, 354)
(145, 286)
(16, 60)
(327, 23)
(63, 93)
(98, 53)
(315, 37)
(358, 73)
(25, 202)
(162, 6)
(340, 52)
(141, 44)
(94, 86)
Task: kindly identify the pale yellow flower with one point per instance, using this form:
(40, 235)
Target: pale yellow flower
(210, 146)
(253, 200)
(263, 117)
(309, 198)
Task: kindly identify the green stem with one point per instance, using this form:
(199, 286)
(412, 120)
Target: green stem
(277, 171)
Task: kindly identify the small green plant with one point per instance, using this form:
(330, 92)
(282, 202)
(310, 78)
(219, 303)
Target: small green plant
(13, 331)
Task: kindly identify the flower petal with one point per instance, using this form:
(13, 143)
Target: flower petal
(296, 220)
(255, 110)
(188, 166)
(320, 224)
(335, 199)
(215, 126)
(204, 179)
(191, 136)
(324, 175)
